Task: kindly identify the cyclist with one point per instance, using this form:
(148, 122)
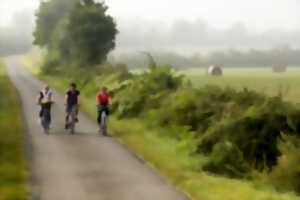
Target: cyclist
(103, 101)
(72, 101)
(44, 100)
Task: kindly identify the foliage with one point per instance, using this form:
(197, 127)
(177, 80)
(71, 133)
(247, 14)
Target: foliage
(49, 15)
(146, 91)
(227, 159)
(92, 32)
(286, 174)
(75, 33)
(249, 121)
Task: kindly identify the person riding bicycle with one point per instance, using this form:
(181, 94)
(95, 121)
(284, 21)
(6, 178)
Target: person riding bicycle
(72, 101)
(103, 101)
(44, 100)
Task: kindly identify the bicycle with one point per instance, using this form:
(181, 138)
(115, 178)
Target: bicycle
(104, 121)
(71, 125)
(46, 116)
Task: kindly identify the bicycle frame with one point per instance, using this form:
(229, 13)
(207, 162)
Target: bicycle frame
(73, 116)
(104, 120)
(46, 120)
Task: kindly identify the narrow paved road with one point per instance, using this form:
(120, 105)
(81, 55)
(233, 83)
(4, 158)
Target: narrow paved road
(81, 167)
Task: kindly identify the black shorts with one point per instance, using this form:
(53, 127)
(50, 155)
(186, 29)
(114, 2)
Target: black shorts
(69, 108)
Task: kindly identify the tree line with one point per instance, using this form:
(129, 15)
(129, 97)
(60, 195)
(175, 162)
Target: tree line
(232, 58)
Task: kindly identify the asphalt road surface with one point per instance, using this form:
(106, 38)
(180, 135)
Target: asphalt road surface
(84, 166)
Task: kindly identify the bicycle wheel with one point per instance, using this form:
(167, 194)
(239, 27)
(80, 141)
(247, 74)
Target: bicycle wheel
(46, 121)
(104, 123)
(73, 121)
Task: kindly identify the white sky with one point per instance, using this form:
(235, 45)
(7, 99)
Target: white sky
(257, 15)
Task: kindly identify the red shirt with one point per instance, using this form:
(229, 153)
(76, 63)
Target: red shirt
(103, 99)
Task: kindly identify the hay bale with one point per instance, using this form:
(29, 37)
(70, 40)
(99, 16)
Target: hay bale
(214, 71)
(279, 68)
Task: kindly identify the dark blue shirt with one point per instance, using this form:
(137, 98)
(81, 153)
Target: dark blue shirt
(72, 97)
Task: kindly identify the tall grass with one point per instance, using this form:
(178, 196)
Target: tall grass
(13, 174)
(172, 159)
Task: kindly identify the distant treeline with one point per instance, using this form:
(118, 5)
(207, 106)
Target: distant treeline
(16, 38)
(231, 58)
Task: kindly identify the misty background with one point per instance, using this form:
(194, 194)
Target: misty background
(189, 33)
(16, 36)
(197, 35)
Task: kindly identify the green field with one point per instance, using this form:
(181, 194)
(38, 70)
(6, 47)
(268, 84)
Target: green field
(13, 174)
(260, 79)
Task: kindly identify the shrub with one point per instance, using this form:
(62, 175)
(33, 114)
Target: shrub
(255, 133)
(250, 121)
(227, 159)
(197, 108)
(146, 91)
(286, 175)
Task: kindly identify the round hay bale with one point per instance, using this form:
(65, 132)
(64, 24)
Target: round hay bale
(214, 71)
(279, 68)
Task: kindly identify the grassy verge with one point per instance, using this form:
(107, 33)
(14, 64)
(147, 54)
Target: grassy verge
(13, 176)
(165, 155)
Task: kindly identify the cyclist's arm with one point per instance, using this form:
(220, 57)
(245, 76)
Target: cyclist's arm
(39, 98)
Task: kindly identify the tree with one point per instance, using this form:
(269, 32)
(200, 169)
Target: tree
(76, 32)
(50, 13)
(92, 32)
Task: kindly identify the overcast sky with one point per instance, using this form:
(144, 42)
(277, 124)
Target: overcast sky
(191, 24)
(257, 15)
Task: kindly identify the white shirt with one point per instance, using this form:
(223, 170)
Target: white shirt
(47, 95)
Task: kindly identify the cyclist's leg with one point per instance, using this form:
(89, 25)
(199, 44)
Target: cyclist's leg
(107, 111)
(50, 118)
(100, 111)
(76, 107)
(41, 112)
(68, 113)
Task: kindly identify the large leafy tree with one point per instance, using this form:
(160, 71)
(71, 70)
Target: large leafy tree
(92, 32)
(49, 15)
(77, 31)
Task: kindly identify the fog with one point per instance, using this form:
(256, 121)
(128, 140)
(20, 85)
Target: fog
(16, 36)
(199, 35)
(183, 27)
